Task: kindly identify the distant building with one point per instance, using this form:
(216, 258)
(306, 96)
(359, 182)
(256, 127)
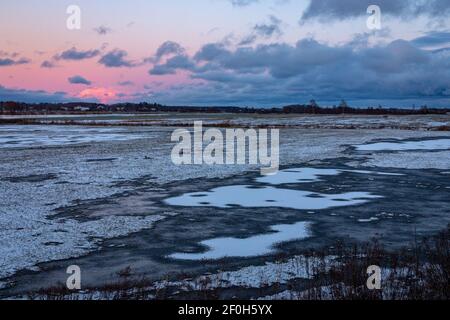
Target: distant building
(80, 108)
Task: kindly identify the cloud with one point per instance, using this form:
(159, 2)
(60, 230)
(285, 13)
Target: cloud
(268, 30)
(398, 71)
(432, 39)
(330, 10)
(102, 30)
(9, 54)
(168, 48)
(242, 3)
(172, 64)
(6, 62)
(74, 54)
(11, 59)
(125, 83)
(264, 30)
(116, 59)
(79, 80)
(48, 64)
(211, 51)
(31, 96)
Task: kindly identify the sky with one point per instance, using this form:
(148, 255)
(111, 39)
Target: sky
(253, 53)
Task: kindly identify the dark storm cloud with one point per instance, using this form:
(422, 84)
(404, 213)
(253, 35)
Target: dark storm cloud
(79, 80)
(116, 59)
(280, 60)
(342, 9)
(399, 70)
(74, 54)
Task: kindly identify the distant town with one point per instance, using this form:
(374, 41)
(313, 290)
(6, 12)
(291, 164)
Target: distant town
(19, 108)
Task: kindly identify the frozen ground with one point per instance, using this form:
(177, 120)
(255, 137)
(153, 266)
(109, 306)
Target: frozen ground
(410, 122)
(96, 197)
(43, 136)
(434, 145)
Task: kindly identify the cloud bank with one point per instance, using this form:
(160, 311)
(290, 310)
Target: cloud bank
(400, 70)
(344, 9)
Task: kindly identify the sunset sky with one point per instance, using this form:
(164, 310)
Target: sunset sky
(226, 52)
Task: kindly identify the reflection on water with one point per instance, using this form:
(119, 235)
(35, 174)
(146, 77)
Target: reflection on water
(263, 196)
(249, 247)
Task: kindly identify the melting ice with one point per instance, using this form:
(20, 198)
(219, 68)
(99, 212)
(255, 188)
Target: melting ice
(251, 197)
(249, 247)
(436, 144)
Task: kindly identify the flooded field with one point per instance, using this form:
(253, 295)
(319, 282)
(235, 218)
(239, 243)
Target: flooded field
(109, 198)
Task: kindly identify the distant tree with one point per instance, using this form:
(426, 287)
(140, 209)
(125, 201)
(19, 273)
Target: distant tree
(424, 109)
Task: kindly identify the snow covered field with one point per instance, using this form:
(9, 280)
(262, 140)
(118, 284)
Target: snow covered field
(107, 198)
